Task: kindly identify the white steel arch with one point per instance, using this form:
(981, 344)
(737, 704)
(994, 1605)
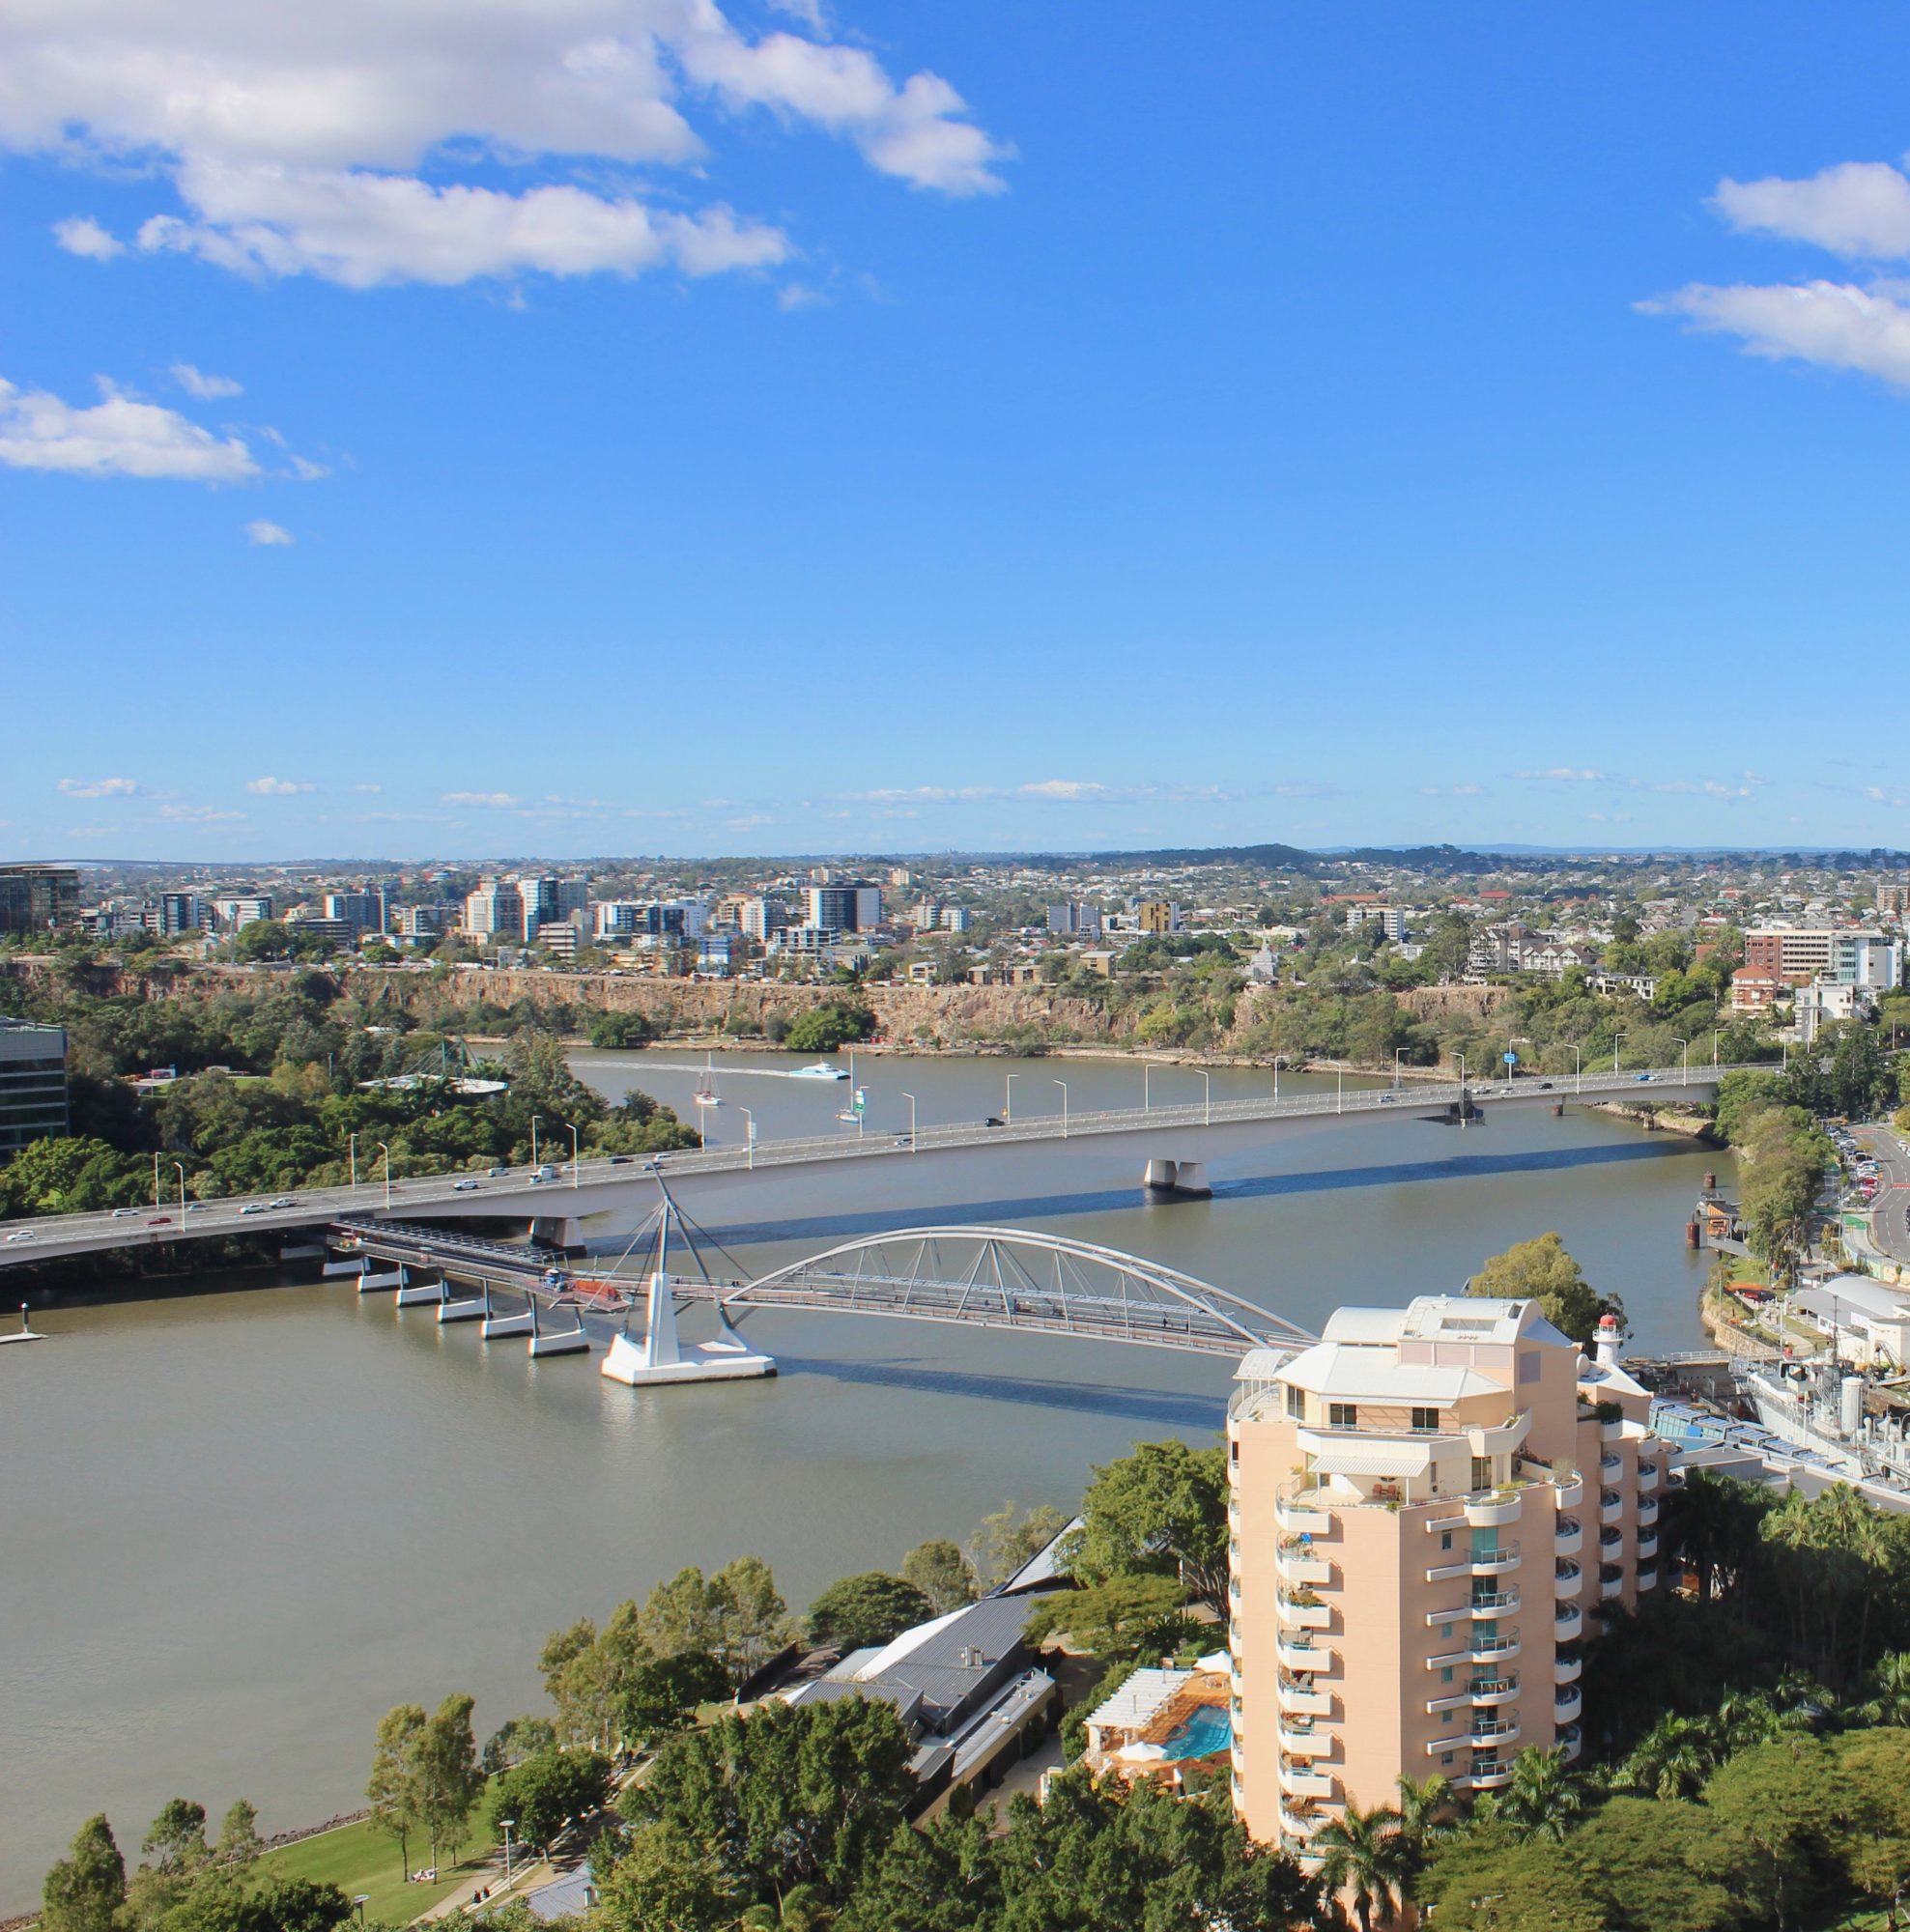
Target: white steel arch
(1014, 1278)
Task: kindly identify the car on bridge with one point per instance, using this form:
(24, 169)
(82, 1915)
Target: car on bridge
(284, 1201)
(463, 1187)
(254, 1207)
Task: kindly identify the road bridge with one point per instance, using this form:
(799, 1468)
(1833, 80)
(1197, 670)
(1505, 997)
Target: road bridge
(1169, 1148)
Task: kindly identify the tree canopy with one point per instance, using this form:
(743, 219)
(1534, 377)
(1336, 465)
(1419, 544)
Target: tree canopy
(1543, 1270)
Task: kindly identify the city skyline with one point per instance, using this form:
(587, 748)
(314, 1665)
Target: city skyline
(821, 431)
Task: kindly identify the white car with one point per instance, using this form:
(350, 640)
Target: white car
(21, 1234)
(254, 1207)
(284, 1201)
(463, 1187)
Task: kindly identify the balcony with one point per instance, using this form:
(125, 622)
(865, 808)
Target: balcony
(1486, 1775)
(1567, 1701)
(1299, 1563)
(1569, 1490)
(1610, 1580)
(1647, 1576)
(1298, 1826)
(1479, 1693)
(1306, 1656)
(1301, 1740)
(1568, 1536)
(1647, 1477)
(1306, 1613)
(1609, 1466)
(1299, 1779)
(1611, 1507)
(1497, 1650)
(1610, 1542)
(1303, 1702)
(1483, 1509)
(1476, 1563)
(1612, 1432)
(1493, 1603)
(1574, 1741)
(1565, 1577)
(1565, 1668)
(1300, 1518)
(1647, 1510)
(1569, 1625)
(1647, 1543)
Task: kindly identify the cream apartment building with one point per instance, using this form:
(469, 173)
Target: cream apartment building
(1430, 1509)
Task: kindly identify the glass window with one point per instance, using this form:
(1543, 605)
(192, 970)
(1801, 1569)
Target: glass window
(1343, 1414)
(1426, 1420)
(1445, 1757)
(1445, 1539)
(1446, 1675)
(1482, 1473)
(1297, 1404)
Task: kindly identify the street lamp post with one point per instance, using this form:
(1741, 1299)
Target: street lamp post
(573, 1154)
(155, 1181)
(181, 1190)
(910, 1098)
(1007, 1100)
(1339, 1089)
(1465, 1106)
(1207, 1111)
(1713, 1046)
(360, 1901)
(354, 1160)
(1616, 1038)
(1577, 1071)
(1147, 1086)
(387, 1153)
(1063, 1085)
(1397, 1051)
(506, 1824)
(749, 1135)
(534, 1118)
(1678, 1039)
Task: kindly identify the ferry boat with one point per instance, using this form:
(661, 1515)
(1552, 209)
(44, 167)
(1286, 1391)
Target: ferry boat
(824, 1070)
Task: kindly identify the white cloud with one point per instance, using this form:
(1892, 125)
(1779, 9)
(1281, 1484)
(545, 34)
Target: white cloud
(307, 471)
(500, 801)
(277, 788)
(1452, 791)
(98, 787)
(199, 814)
(1562, 774)
(208, 389)
(1857, 210)
(273, 536)
(81, 235)
(337, 140)
(368, 787)
(117, 436)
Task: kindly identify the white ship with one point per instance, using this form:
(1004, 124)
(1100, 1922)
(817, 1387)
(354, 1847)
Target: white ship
(822, 1070)
(1817, 1407)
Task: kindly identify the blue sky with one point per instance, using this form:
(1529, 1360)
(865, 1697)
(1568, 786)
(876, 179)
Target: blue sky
(626, 426)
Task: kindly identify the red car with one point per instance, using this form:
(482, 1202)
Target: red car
(160, 1221)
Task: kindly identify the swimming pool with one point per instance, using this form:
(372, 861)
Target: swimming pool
(1201, 1734)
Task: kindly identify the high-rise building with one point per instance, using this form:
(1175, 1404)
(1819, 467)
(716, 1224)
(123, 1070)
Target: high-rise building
(38, 899)
(235, 912)
(1846, 956)
(853, 907)
(1075, 918)
(33, 1083)
(761, 918)
(1429, 1509)
(573, 895)
(1157, 915)
(362, 911)
(496, 910)
(1893, 896)
(957, 919)
(180, 912)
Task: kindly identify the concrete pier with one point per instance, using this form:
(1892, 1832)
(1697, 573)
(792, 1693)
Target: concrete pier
(478, 1309)
(557, 1341)
(420, 1294)
(497, 1327)
(660, 1356)
(1177, 1177)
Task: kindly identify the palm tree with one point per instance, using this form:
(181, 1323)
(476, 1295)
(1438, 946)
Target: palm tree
(1544, 1799)
(1360, 1853)
(1673, 1759)
(1428, 1816)
(1887, 1691)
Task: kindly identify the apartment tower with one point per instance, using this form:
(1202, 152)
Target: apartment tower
(1430, 1508)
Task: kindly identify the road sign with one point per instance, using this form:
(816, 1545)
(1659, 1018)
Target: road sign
(1511, 1059)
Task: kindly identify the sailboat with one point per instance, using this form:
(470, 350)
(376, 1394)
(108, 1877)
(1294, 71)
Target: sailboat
(706, 1095)
(852, 1113)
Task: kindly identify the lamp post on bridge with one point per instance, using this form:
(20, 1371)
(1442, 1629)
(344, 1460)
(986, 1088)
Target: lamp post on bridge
(1678, 1040)
(910, 1098)
(387, 1153)
(1339, 1089)
(1713, 1046)
(1616, 1038)
(1464, 1105)
(1007, 1100)
(155, 1181)
(1577, 1071)
(354, 1160)
(534, 1118)
(750, 1133)
(573, 1151)
(1147, 1086)
(1397, 1051)
(181, 1190)
(1063, 1085)
(1206, 1110)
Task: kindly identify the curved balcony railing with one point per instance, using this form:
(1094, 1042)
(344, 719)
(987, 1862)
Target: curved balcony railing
(1648, 1577)
(1565, 1577)
(1569, 1623)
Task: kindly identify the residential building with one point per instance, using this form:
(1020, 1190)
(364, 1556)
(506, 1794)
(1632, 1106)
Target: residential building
(957, 919)
(1430, 1507)
(38, 899)
(33, 1083)
(1390, 920)
(235, 914)
(1893, 897)
(1157, 915)
(362, 911)
(494, 911)
(573, 896)
(763, 918)
(716, 952)
(1850, 958)
(853, 907)
(1823, 1002)
(180, 911)
(1074, 919)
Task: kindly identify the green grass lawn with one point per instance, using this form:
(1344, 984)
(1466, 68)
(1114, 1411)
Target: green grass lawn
(356, 1857)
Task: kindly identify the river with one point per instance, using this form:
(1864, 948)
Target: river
(238, 1521)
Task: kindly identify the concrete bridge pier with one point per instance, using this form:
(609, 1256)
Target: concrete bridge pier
(420, 1294)
(475, 1310)
(497, 1326)
(1186, 1178)
(564, 1232)
(572, 1341)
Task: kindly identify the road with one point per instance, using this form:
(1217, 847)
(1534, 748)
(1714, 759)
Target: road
(1195, 1132)
(1890, 1214)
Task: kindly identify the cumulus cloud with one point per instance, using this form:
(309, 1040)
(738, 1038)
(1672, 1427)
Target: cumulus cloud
(208, 389)
(277, 788)
(81, 235)
(499, 800)
(319, 141)
(98, 787)
(273, 536)
(116, 437)
(1857, 210)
